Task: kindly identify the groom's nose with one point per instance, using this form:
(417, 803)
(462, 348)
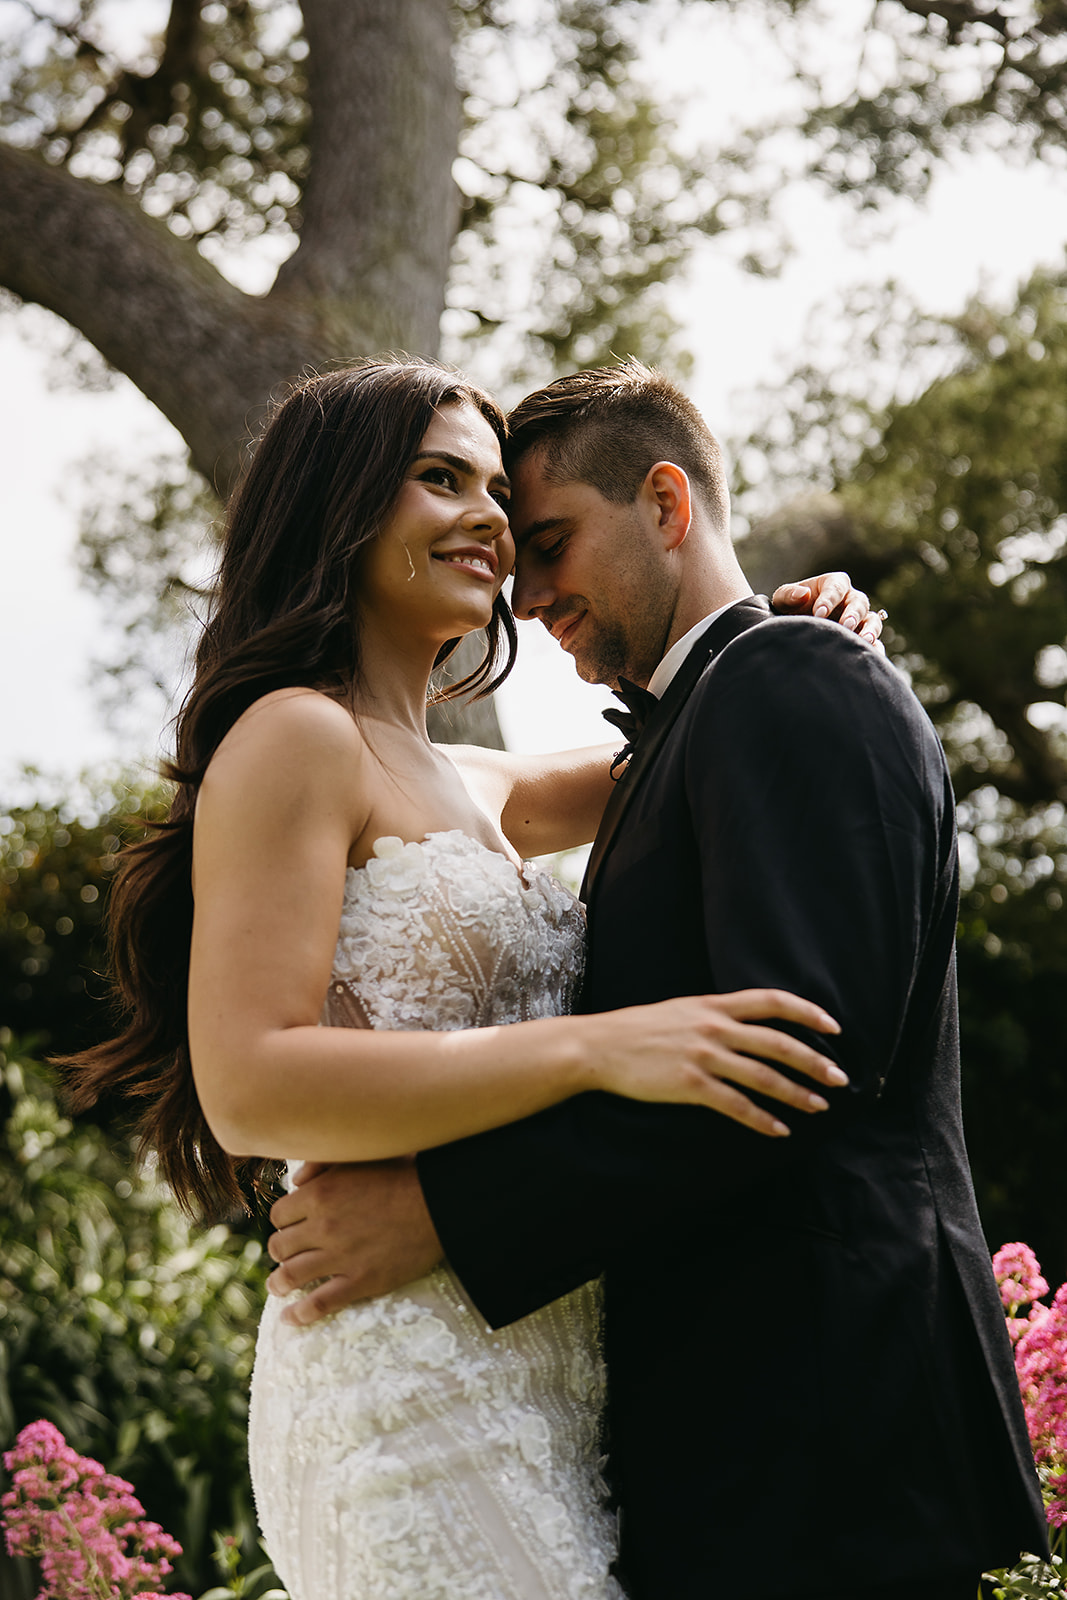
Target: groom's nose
(531, 591)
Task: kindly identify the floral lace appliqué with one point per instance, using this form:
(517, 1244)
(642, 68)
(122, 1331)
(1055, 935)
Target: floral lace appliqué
(402, 1450)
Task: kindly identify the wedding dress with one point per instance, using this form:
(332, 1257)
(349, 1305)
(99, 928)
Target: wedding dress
(401, 1449)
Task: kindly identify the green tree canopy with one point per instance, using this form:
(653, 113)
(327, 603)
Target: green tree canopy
(949, 505)
(503, 163)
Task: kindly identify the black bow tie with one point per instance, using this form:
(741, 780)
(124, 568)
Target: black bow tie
(640, 705)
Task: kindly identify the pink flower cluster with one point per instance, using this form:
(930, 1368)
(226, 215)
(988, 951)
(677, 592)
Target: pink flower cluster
(1040, 1340)
(1019, 1279)
(85, 1526)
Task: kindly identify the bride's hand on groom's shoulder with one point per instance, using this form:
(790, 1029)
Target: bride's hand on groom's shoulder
(707, 1050)
(347, 1233)
(831, 595)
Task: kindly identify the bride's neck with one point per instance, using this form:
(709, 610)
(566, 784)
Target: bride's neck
(392, 686)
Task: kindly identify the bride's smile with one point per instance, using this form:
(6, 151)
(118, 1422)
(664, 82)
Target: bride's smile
(445, 551)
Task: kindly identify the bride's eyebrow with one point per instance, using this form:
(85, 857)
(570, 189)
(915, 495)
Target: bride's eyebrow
(468, 467)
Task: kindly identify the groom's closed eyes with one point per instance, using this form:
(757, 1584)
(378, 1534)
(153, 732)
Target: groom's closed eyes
(545, 540)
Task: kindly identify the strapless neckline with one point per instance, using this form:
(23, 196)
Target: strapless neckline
(444, 932)
(525, 871)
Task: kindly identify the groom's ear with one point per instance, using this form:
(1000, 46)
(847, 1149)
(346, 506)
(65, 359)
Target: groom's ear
(668, 500)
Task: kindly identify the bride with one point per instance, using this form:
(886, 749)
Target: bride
(317, 952)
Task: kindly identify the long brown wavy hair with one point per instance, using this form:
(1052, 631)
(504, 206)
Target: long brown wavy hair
(318, 487)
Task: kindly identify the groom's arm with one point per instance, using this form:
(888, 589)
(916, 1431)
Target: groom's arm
(823, 874)
(819, 803)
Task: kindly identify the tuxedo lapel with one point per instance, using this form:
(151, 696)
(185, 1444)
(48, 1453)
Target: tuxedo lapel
(745, 614)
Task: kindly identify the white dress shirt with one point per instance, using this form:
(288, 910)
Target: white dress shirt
(668, 667)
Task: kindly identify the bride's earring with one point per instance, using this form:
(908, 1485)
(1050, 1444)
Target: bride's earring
(411, 563)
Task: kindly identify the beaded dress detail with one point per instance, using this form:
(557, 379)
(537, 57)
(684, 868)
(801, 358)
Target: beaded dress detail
(401, 1449)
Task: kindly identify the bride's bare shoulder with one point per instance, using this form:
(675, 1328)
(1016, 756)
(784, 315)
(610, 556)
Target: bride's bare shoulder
(296, 735)
(307, 717)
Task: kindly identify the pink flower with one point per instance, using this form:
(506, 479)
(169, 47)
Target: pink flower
(85, 1526)
(1018, 1276)
(1040, 1341)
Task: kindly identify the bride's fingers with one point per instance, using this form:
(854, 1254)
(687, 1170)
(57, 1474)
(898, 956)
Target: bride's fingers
(745, 1004)
(821, 594)
(730, 1102)
(714, 1084)
(745, 1073)
(749, 1039)
(856, 610)
(830, 589)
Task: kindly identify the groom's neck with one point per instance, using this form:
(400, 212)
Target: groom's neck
(702, 594)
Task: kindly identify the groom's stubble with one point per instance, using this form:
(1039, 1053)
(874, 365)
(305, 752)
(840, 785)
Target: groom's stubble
(613, 579)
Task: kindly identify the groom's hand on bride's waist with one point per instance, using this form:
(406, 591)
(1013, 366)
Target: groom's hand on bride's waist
(352, 1231)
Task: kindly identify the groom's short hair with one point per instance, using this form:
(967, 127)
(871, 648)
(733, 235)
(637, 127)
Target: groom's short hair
(609, 425)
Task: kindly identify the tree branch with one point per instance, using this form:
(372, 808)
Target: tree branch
(959, 14)
(379, 216)
(151, 99)
(203, 352)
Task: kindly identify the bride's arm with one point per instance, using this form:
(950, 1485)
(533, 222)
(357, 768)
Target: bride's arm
(553, 802)
(286, 796)
(545, 803)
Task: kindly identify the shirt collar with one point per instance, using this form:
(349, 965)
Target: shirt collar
(672, 661)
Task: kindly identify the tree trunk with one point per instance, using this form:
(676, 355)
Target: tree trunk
(380, 211)
(203, 352)
(380, 207)
(465, 721)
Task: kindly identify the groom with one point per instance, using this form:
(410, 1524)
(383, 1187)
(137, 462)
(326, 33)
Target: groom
(811, 1390)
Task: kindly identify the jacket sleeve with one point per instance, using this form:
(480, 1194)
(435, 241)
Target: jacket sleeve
(824, 824)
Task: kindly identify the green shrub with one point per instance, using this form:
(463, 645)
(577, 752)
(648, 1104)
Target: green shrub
(55, 864)
(122, 1323)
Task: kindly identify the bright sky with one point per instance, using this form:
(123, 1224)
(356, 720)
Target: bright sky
(985, 226)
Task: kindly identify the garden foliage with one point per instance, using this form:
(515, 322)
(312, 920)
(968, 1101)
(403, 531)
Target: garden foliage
(129, 1330)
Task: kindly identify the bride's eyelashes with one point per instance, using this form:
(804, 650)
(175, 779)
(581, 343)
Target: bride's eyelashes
(446, 478)
(443, 477)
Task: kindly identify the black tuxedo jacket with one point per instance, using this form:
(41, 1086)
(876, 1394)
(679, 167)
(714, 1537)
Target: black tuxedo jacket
(811, 1387)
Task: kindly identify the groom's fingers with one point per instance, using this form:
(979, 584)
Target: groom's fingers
(322, 1301)
(285, 1244)
(361, 1228)
(295, 1273)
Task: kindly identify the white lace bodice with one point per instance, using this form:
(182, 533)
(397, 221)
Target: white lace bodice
(447, 934)
(403, 1450)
